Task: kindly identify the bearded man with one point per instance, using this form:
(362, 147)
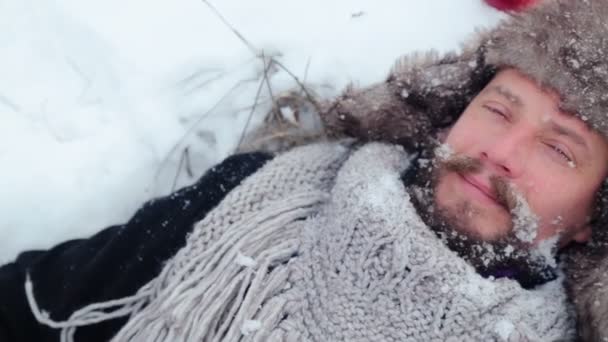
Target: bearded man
(492, 161)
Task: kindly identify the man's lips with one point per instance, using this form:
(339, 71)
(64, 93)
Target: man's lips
(481, 187)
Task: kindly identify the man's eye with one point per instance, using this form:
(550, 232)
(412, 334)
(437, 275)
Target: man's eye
(560, 152)
(495, 111)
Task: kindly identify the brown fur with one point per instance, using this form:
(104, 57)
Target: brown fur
(423, 93)
(588, 287)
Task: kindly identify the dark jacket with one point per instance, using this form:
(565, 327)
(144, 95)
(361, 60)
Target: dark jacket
(113, 263)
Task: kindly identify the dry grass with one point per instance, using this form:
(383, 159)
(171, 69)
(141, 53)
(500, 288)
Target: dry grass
(292, 120)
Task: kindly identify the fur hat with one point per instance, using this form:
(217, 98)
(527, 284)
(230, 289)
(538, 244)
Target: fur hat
(560, 44)
(587, 273)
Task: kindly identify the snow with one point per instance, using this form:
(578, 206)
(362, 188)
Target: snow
(478, 290)
(545, 251)
(100, 100)
(250, 326)
(289, 114)
(504, 329)
(444, 152)
(525, 222)
(244, 260)
(384, 187)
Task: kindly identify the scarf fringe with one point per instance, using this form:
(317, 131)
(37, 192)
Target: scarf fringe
(187, 301)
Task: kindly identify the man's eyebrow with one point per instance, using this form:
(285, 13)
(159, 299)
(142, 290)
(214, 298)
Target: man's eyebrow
(506, 93)
(565, 131)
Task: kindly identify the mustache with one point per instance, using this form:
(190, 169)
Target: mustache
(505, 196)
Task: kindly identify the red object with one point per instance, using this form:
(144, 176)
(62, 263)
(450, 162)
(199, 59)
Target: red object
(511, 5)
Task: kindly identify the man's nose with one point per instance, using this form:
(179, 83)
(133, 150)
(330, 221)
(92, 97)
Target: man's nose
(505, 154)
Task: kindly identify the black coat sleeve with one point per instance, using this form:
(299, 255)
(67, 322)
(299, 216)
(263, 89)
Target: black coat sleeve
(113, 263)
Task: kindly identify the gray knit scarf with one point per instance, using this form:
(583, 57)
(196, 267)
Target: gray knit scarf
(323, 244)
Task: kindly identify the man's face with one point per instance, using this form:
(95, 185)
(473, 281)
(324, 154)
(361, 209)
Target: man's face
(516, 133)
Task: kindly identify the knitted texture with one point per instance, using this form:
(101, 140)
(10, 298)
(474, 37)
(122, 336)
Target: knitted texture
(323, 244)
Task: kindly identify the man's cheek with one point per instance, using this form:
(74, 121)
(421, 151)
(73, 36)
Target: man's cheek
(545, 202)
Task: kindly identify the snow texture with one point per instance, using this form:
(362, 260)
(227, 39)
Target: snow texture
(100, 99)
(504, 328)
(525, 222)
(444, 152)
(244, 260)
(250, 326)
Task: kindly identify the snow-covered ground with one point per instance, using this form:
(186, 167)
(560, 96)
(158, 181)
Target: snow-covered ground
(99, 99)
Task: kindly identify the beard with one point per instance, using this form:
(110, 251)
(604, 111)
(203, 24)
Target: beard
(510, 254)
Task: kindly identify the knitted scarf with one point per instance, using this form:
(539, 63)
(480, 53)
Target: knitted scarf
(323, 244)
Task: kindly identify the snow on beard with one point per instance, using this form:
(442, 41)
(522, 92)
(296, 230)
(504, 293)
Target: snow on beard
(524, 221)
(510, 255)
